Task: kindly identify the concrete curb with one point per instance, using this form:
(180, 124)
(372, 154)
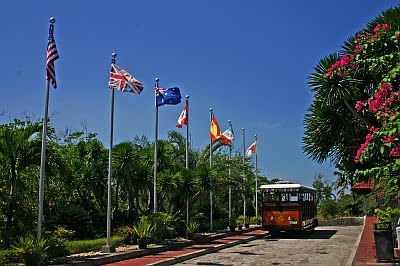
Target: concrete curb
(152, 250)
(353, 254)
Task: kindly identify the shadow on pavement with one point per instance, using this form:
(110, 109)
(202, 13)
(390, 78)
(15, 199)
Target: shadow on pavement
(316, 234)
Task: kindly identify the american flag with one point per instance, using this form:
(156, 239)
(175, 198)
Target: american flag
(123, 81)
(52, 55)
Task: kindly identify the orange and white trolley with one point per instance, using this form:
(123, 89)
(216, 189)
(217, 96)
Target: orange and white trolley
(288, 207)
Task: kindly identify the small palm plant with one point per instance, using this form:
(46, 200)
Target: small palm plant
(191, 228)
(143, 230)
(31, 249)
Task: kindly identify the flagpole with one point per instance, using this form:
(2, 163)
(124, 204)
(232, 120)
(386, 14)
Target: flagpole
(211, 194)
(187, 152)
(256, 179)
(108, 248)
(229, 172)
(43, 154)
(155, 152)
(244, 180)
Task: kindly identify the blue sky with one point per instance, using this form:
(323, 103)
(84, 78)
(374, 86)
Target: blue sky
(248, 60)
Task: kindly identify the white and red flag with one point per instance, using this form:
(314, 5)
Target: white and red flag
(227, 136)
(183, 118)
(52, 55)
(252, 149)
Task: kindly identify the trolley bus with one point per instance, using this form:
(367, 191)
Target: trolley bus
(288, 207)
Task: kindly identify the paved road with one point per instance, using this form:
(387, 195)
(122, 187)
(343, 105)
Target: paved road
(327, 245)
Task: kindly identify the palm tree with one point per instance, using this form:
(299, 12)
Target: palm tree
(333, 128)
(125, 158)
(19, 151)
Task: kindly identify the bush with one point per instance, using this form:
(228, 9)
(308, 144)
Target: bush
(57, 242)
(328, 209)
(9, 256)
(126, 233)
(240, 220)
(71, 217)
(164, 224)
(255, 220)
(390, 215)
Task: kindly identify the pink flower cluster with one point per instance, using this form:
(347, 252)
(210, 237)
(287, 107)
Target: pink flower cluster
(385, 27)
(395, 151)
(388, 139)
(368, 139)
(340, 66)
(369, 38)
(380, 104)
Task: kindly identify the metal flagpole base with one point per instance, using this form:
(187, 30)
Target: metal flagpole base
(107, 249)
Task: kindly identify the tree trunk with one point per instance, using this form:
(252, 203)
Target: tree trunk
(8, 229)
(357, 114)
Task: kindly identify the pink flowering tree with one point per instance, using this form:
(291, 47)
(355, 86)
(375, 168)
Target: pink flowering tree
(353, 119)
(377, 53)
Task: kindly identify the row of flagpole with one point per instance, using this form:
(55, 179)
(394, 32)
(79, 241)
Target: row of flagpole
(123, 81)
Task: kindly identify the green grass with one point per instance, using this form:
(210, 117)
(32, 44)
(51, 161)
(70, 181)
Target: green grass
(79, 246)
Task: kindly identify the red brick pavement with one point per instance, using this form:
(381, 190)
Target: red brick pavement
(366, 249)
(366, 252)
(188, 250)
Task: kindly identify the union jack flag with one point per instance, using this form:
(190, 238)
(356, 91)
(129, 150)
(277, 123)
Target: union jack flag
(123, 81)
(52, 55)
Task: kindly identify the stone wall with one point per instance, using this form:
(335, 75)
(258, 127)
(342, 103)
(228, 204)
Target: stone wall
(343, 221)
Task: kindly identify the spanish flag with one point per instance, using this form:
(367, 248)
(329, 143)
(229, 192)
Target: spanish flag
(215, 131)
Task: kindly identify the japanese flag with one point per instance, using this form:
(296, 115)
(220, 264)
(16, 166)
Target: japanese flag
(252, 149)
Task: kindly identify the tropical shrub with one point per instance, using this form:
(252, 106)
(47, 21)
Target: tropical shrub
(31, 245)
(126, 233)
(143, 229)
(192, 227)
(73, 218)
(328, 209)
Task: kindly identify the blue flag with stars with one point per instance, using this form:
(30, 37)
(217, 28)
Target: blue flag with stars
(168, 96)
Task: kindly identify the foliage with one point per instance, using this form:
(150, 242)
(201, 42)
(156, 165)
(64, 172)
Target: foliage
(324, 189)
(76, 185)
(57, 240)
(328, 209)
(356, 105)
(232, 221)
(240, 220)
(73, 218)
(164, 224)
(255, 220)
(31, 245)
(80, 246)
(9, 256)
(192, 227)
(126, 233)
(143, 229)
(390, 215)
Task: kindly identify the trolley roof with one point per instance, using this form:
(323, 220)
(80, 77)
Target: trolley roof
(286, 188)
